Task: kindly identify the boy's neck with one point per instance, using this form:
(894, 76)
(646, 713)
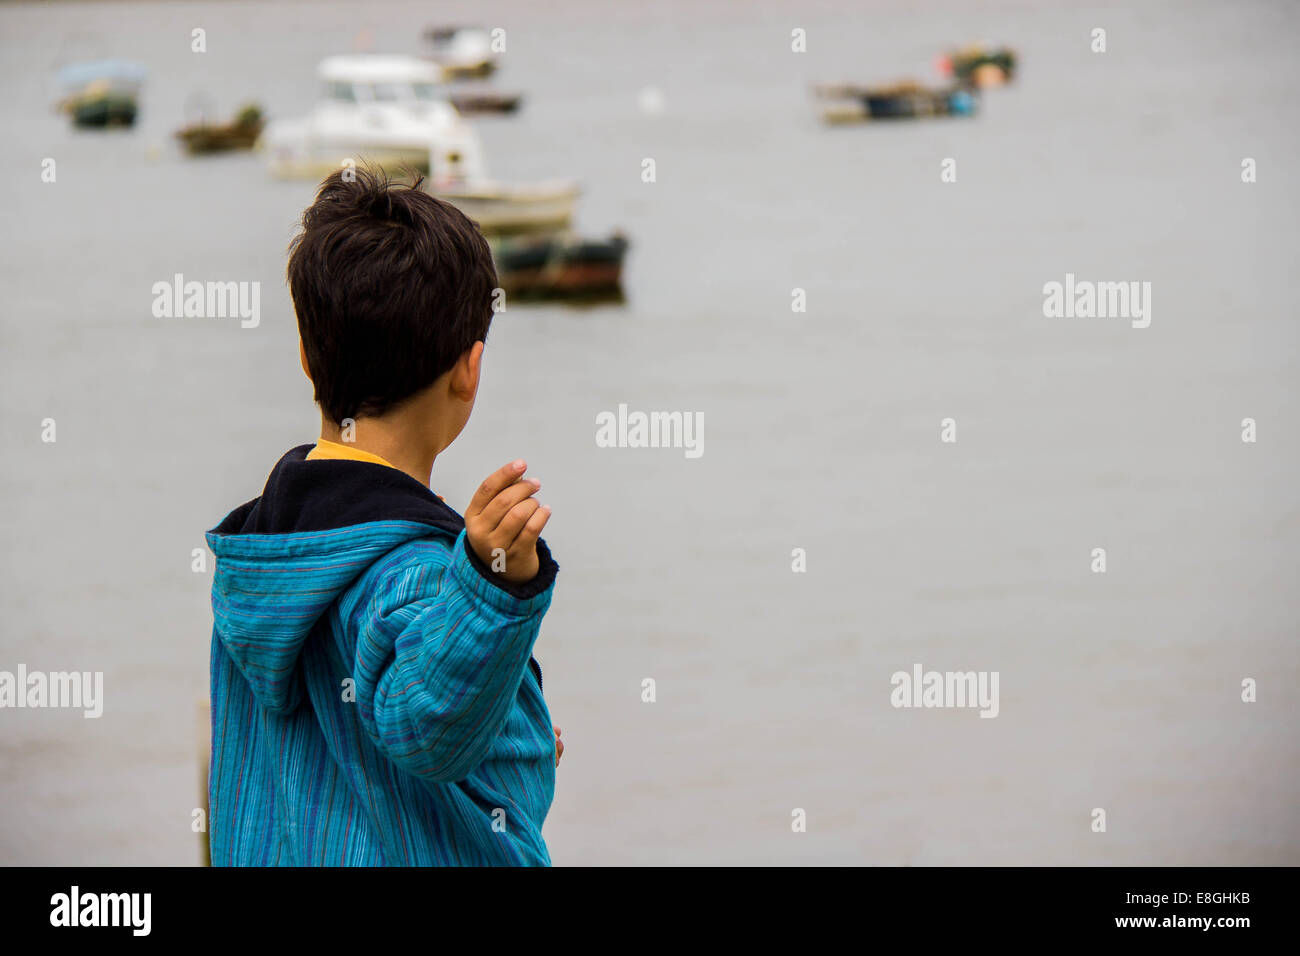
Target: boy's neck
(394, 439)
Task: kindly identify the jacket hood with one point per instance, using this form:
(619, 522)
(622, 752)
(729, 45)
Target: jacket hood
(284, 557)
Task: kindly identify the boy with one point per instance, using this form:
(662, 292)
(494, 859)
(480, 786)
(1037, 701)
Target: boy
(374, 696)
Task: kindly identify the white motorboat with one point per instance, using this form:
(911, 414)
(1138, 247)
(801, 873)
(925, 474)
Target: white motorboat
(392, 112)
(388, 111)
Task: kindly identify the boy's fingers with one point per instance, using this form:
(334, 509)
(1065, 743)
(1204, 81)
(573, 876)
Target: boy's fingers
(500, 506)
(494, 484)
(514, 521)
(532, 529)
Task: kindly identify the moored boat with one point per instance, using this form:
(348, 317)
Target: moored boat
(101, 93)
(484, 101)
(389, 111)
(462, 52)
(242, 133)
(503, 209)
(499, 208)
(906, 100)
(562, 267)
(980, 66)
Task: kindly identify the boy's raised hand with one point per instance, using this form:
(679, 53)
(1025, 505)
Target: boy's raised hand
(504, 514)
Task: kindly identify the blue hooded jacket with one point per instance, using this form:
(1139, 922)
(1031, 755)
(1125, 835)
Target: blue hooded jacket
(374, 697)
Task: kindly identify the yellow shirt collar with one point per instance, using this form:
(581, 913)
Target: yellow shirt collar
(333, 450)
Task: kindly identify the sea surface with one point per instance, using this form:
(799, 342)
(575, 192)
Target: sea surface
(1119, 691)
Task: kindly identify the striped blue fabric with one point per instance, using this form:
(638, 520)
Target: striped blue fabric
(373, 704)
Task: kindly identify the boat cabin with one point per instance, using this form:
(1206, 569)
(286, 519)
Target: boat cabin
(381, 80)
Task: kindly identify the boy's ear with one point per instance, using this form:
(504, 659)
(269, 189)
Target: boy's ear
(464, 374)
(302, 357)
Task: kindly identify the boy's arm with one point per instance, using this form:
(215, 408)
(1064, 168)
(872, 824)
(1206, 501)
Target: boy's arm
(435, 697)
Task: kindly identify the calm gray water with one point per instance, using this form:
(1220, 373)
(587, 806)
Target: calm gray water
(1119, 691)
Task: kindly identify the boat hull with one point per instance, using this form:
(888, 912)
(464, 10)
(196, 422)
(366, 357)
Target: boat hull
(478, 103)
(582, 270)
(861, 105)
(321, 161)
(103, 110)
(510, 210)
(201, 140)
(393, 139)
(468, 71)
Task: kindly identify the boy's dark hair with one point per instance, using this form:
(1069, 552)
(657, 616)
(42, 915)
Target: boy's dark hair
(391, 286)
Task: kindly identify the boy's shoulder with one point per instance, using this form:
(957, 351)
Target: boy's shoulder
(303, 495)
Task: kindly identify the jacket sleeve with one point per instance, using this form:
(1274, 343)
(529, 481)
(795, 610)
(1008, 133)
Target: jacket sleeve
(440, 653)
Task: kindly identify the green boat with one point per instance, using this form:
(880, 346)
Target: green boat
(202, 138)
